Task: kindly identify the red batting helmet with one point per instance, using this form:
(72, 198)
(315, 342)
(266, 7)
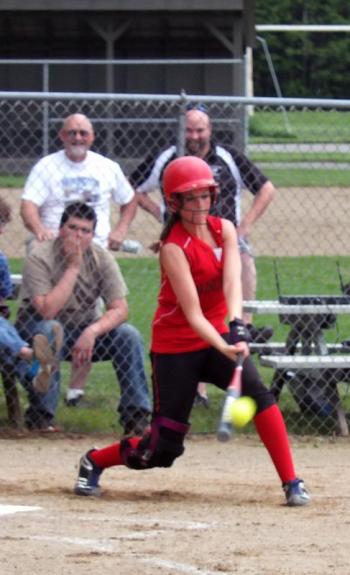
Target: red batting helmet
(185, 174)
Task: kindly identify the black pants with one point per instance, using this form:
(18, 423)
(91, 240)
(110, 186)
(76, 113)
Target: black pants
(175, 378)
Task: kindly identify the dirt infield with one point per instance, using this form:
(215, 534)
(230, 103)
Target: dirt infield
(299, 222)
(218, 511)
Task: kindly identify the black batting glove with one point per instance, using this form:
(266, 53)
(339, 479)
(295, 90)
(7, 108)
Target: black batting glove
(238, 332)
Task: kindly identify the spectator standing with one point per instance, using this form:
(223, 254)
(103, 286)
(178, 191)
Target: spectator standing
(76, 173)
(200, 288)
(63, 279)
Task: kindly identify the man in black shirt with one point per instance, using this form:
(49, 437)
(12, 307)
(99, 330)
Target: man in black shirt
(233, 172)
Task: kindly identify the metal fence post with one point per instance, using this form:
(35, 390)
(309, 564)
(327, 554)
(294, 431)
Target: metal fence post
(46, 88)
(181, 125)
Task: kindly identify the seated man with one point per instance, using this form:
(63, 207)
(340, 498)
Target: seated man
(63, 279)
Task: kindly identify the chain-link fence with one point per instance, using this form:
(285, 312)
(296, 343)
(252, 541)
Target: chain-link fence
(300, 244)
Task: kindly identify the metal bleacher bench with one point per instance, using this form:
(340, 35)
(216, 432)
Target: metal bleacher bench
(305, 347)
(315, 362)
(279, 347)
(306, 361)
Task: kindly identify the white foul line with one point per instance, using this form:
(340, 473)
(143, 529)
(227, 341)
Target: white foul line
(91, 543)
(180, 567)
(146, 521)
(106, 547)
(10, 509)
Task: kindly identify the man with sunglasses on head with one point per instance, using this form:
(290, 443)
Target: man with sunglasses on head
(77, 173)
(63, 278)
(233, 171)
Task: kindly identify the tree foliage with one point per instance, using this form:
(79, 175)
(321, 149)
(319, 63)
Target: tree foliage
(313, 65)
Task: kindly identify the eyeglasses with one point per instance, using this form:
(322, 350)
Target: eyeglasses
(74, 133)
(84, 230)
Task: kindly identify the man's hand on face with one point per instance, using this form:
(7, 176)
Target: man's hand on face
(74, 252)
(76, 236)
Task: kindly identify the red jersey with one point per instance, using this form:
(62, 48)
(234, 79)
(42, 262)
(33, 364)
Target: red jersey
(171, 332)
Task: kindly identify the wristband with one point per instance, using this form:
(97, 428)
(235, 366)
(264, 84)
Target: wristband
(238, 332)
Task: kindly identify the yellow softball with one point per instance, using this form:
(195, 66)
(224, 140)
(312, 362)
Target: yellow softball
(242, 411)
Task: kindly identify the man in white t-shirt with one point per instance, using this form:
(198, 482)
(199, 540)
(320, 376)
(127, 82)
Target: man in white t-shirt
(72, 174)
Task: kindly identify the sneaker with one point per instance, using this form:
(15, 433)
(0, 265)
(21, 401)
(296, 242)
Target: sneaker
(201, 400)
(74, 397)
(46, 356)
(88, 477)
(259, 334)
(295, 492)
(42, 426)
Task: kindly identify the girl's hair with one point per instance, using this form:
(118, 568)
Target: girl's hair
(5, 212)
(171, 221)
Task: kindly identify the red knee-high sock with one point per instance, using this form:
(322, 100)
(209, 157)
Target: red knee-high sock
(110, 455)
(272, 431)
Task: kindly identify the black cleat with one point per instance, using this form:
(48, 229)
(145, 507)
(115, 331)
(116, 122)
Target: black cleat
(88, 477)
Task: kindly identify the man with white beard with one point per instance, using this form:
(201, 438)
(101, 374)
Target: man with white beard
(72, 174)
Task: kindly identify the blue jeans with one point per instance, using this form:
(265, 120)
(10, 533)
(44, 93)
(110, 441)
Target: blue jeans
(10, 345)
(122, 345)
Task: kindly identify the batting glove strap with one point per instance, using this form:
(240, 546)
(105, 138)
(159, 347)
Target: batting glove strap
(238, 332)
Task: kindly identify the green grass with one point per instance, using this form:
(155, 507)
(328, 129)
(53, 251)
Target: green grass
(306, 126)
(7, 181)
(304, 177)
(300, 157)
(297, 276)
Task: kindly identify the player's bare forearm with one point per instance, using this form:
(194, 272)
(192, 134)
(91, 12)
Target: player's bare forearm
(232, 285)
(208, 333)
